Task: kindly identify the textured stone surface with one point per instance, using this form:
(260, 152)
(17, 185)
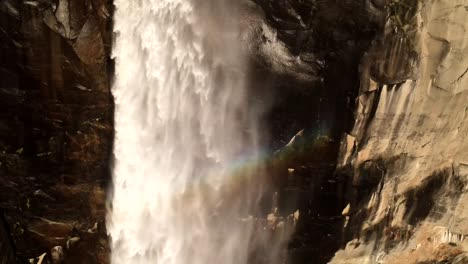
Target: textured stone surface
(305, 65)
(7, 255)
(55, 126)
(408, 159)
(305, 62)
(402, 167)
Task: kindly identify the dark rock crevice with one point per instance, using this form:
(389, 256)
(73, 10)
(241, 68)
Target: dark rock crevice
(331, 36)
(56, 124)
(7, 246)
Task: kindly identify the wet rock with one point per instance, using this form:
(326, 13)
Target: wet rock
(89, 45)
(346, 210)
(93, 229)
(39, 260)
(57, 255)
(348, 146)
(272, 221)
(102, 9)
(11, 8)
(6, 245)
(71, 242)
(40, 193)
(399, 61)
(67, 18)
(54, 256)
(270, 52)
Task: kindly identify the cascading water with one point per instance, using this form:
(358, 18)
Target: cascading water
(184, 132)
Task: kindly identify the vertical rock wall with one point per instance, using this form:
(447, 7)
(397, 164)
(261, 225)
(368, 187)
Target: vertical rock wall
(407, 156)
(55, 125)
(7, 255)
(405, 159)
(306, 57)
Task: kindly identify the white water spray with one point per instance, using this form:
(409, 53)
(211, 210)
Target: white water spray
(184, 132)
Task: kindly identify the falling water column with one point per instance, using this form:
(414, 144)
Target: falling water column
(182, 128)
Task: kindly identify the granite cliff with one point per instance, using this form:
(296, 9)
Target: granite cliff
(406, 155)
(55, 125)
(364, 106)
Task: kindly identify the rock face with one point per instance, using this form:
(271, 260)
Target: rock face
(56, 130)
(406, 157)
(399, 189)
(305, 66)
(6, 247)
(305, 62)
(55, 125)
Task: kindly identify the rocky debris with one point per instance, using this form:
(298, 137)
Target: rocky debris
(271, 231)
(303, 172)
(76, 246)
(93, 229)
(346, 210)
(72, 242)
(40, 259)
(56, 255)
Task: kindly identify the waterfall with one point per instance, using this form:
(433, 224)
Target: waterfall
(185, 136)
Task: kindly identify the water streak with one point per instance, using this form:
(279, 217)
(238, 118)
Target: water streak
(182, 121)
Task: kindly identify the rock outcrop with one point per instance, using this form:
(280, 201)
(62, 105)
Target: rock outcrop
(407, 155)
(55, 125)
(401, 181)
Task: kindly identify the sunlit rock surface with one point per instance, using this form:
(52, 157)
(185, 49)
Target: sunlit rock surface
(407, 155)
(402, 168)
